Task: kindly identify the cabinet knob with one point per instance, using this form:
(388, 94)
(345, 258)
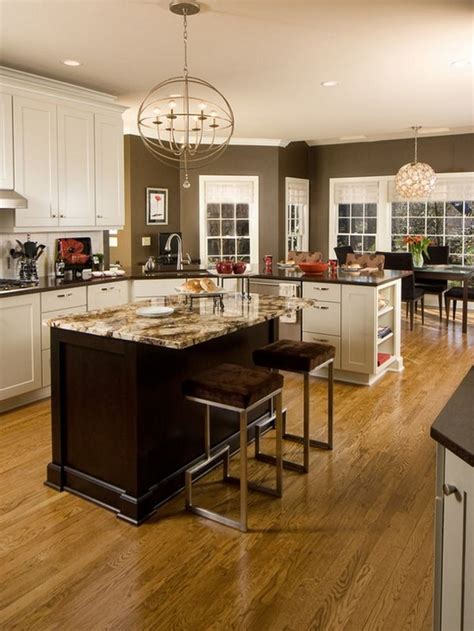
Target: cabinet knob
(99, 217)
(54, 216)
(62, 216)
(449, 489)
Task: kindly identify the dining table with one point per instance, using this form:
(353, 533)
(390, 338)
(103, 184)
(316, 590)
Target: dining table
(460, 273)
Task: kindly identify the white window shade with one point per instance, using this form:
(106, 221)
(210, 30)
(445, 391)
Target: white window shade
(356, 192)
(445, 190)
(229, 192)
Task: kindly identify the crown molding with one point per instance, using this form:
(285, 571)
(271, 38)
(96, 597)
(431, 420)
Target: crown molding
(17, 80)
(453, 131)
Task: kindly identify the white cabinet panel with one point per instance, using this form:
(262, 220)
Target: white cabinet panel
(20, 345)
(322, 291)
(358, 329)
(333, 340)
(109, 178)
(107, 295)
(6, 142)
(65, 298)
(36, 167)
(76, 167)
(323, 317)
(152, 288)
(46, 367)
(49, 315)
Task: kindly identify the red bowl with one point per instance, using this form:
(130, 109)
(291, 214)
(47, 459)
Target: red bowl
(313, 268)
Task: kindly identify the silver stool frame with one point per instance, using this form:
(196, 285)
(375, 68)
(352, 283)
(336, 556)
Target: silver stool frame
(304, 440)
(224, 454)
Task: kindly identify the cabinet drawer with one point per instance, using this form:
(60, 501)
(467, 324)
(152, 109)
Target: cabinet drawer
(151, 288)
(46, 367)
(63, 298)
(107, 295)
(323, 317)
(333, 340)
(48, 315)
(322, 291)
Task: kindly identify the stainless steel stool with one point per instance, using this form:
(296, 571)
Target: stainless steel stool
(238, 389)
(299, 357)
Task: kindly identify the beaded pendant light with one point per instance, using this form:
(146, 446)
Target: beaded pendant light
(415, 180)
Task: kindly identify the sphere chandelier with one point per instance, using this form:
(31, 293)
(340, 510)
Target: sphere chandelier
(415, 180)
(185, 122)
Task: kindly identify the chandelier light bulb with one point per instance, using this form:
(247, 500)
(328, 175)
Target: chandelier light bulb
(190, 138)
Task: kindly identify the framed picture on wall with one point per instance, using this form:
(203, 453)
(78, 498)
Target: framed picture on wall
(156, 206)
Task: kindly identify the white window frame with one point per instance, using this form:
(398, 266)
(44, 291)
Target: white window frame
(300, 183)
(253, 213)
(383, 240)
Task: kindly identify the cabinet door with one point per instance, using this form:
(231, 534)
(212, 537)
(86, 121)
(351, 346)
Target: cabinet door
(36, 164)
(20, 345)
(107, 295)
(358, 329)
(6, 142)
(76, 167)
(457, 611)
(154, 288)
(109, 171)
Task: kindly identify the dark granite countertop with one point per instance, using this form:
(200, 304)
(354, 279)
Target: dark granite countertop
(338, 277)
(454, 427)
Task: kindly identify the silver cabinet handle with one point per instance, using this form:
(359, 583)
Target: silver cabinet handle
(320, 307)
(99, 216)
(318, 339)
(61, 215)
(321, 288)
(449, 489)
(104, 289)
(63, 295)
(51, 214)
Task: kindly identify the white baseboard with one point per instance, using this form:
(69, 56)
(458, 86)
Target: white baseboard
(24, 399)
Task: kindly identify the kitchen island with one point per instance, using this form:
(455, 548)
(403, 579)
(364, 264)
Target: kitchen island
(122, 432)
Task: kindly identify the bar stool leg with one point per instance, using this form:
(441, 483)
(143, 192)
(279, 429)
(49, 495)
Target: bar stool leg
(330, 403)
(279, 444)
(243, 471)
(306, 395)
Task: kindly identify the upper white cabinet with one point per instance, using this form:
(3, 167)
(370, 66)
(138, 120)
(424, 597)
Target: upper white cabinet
(6, 141)
(76, 167)
(109, 170)
(65, 154)
(36, 161)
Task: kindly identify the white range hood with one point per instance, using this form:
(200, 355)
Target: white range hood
(12, 199)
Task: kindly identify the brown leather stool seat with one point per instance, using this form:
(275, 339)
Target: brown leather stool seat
(232, 385)
(293, 356)
(301, 357)
(241, 390)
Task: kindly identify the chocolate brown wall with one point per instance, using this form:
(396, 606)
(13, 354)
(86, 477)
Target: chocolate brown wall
(445, 154)
(237, 160)
(142, 170)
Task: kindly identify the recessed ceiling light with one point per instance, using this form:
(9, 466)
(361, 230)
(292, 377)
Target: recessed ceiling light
(355, 137)
(71, 62)
(461, 63)
(329, 84)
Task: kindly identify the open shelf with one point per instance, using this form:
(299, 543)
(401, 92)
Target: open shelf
(381, 340)
(386, 363)
(385, 310)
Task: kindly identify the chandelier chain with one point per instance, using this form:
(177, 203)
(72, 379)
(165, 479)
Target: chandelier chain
(185, 41)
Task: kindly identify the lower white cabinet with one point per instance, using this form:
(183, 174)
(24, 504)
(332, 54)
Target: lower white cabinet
(153, 288)
(107, 295)
(321, 338)
(454, 610)
(20, 345)
(358, 329)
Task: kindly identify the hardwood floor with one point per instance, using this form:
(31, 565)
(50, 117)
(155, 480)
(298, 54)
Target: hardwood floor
(350, 546)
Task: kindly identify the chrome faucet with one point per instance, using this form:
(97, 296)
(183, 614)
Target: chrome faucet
(179, 262)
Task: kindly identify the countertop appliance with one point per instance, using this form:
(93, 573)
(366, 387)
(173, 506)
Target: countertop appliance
(287, 330)
(13, 284)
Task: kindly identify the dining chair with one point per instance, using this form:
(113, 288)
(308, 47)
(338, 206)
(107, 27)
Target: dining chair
(455, 294)
(341, 252)
(437, 255)
(411, 294)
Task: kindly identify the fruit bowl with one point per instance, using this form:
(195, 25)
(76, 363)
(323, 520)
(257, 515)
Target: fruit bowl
(313, 268)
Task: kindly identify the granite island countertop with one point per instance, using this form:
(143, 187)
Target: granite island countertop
(184, 327)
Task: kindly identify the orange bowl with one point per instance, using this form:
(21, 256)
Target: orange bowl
(313, 268)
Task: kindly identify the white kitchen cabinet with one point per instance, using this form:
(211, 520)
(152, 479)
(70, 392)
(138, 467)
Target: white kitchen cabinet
(456, 492)
(359, 329)
(20, 345)
(107, 295)
(63, 298)
(36, 161)
(6, 142)
(109, 170)
(321, 338)
(76, 167)
(49, 315)
(153, 288)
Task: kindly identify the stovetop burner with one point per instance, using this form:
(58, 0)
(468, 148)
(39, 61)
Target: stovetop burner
(10, 284)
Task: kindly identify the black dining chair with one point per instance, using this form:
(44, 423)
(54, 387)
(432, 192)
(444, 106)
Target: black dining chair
(437, 255)
(342, 251)
(411, 295)
(455, 294)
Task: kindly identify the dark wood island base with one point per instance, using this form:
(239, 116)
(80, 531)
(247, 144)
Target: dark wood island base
(122, 432)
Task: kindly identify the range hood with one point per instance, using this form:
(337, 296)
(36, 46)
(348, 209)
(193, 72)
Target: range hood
(12, 199)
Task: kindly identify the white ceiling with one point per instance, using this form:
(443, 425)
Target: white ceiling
(391, 57)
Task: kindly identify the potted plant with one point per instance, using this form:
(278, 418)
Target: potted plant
(418, 246)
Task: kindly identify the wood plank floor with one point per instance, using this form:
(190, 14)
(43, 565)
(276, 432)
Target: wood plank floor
(350, 546)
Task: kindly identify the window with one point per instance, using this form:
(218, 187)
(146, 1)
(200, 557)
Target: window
(297, 204)
(228, 218)
(356, 210)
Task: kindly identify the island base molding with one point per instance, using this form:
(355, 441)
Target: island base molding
(362, 379)
(122, 432)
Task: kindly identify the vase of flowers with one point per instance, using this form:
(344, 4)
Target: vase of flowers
(418, 246)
